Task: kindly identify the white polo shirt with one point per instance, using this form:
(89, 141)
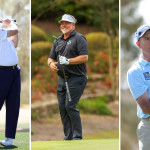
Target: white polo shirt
(8, 55)
(139, 82)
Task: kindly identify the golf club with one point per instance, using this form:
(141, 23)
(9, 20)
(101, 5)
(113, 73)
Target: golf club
(66, 83)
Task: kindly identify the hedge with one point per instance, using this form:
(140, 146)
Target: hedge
(37, 34)
(98, 49)
(97, 40)
(38, 49)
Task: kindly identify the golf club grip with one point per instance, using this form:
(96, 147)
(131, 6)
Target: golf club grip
(12, 20)
(68, 91)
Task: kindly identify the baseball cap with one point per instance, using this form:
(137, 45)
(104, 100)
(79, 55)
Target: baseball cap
(141, 30)
(69, 18)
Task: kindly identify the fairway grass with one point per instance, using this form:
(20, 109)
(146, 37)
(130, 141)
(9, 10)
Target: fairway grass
(20, 143)
(98, 144)
(110, 134)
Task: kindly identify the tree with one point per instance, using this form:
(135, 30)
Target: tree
(106, 17)
(130, 21)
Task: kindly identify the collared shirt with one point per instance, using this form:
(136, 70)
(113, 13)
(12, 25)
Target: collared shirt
(8, 55)
(75, 45)
(139, 82)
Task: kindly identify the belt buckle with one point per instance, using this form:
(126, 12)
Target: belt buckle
(14, 67)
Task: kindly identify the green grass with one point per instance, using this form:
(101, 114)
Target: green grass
(98, 144)
(24, 126)
(103, 135)
(20, 143)
(95, 106)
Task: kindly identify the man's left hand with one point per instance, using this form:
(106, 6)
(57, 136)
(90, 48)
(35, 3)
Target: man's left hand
(63, 60)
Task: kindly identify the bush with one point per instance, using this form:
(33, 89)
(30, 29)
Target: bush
(45, 80)
(38, 49)
(97, 41)
(34, 116)
(96, 106)
(99, 52)
(98, 47)
(37, 34)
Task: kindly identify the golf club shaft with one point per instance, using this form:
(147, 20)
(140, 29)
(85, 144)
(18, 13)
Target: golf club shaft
(68, 92)
(66, 83)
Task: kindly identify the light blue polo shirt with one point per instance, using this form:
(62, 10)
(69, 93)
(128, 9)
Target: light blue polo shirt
(139, 82)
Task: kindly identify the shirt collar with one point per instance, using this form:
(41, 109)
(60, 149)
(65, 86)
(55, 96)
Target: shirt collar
(143, 61)
(71, 34)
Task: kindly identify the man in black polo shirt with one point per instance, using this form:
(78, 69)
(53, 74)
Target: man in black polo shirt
(69, 52)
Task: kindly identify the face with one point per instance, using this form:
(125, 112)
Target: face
(66, 27)
(145, 42)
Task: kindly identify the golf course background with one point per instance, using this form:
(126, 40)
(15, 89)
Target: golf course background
(99, 104)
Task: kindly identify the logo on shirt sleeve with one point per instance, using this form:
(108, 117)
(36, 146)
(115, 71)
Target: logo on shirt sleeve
(146, 75)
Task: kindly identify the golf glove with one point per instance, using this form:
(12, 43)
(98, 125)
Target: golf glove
(63, 60)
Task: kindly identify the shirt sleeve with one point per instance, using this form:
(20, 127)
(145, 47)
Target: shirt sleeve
(3, 34)
(136, 83)
(53, 52)
(82, 46)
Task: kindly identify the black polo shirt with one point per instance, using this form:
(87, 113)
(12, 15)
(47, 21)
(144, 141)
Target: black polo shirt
(75, 45)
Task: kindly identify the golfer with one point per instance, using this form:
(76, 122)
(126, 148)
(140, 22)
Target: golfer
(68, 56)
(9, 79)
(139, 84)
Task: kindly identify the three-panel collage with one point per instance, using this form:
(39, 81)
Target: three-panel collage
(75, 75)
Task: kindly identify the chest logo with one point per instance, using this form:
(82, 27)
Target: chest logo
(146, 75)
(69, 42)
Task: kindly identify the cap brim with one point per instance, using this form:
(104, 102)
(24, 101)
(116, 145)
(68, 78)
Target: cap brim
(65, 20)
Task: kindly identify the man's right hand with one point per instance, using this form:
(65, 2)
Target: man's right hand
(53, 66)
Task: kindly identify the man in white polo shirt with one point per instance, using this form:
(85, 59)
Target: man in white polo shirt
(10, 82)
(139, 84)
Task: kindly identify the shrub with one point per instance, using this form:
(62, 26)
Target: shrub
(97, 44)
(34, 116)
(97, 40)
(99, 52)
(38, 49)
(37, 34)
(45, 80)
(96, 106)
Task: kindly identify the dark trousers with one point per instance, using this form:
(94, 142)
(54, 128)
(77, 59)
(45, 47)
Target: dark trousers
(10, 85)
(69, 113)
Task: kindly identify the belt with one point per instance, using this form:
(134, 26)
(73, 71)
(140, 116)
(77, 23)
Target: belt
(67, 76)
(8, 67)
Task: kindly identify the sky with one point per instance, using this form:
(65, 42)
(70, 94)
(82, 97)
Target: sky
(144, 10)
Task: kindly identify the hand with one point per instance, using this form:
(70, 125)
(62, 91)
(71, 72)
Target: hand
(6, 22)
(53, 66)
(63, 60)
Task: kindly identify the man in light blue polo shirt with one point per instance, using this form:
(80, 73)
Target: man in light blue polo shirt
(139, 83)
(10, 82)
